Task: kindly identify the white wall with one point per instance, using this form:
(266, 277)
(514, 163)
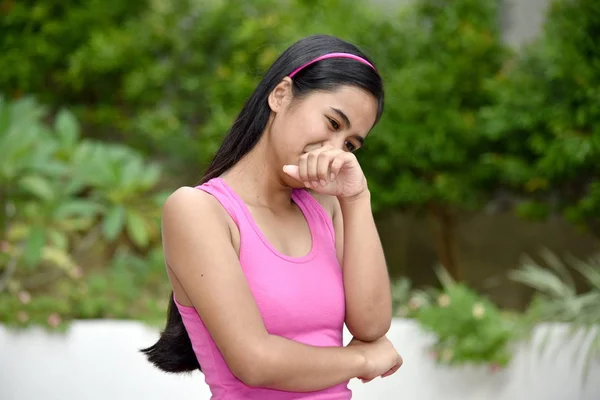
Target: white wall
(98, 360)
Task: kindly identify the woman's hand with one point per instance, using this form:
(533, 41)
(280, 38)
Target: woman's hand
(382, 358)
(330, 171)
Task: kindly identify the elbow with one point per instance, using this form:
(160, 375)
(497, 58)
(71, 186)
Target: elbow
(251, 376)
(370, 323)
(253, 368)
(370, 331)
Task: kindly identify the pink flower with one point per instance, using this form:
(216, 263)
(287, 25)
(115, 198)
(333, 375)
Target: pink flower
(54, 320)
(4, 247)
(24, 297)
(495, 368)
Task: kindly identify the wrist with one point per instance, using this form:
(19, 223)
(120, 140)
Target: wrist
(362, 365)
(362, 196)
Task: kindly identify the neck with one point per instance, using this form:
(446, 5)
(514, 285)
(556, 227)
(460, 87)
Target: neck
(257, 178)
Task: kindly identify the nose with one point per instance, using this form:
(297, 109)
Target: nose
(336, 142)
(333, 143)
(312, 147)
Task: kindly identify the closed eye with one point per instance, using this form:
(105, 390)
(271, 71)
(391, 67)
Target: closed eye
(334, 124)
(356, 143)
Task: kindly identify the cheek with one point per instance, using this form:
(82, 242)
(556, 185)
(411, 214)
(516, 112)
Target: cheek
(299, 133)
(285, 138)
(312, 130)
(299, 130)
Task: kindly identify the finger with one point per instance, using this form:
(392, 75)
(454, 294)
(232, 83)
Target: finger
(323, 166)
(302, 170)
(312, 162)
(337, 164)
(293, 171)
(393, 369)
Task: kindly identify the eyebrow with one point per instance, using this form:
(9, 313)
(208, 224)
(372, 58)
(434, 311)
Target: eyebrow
(342, 116)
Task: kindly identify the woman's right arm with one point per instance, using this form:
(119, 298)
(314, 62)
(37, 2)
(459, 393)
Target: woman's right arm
(200, 253)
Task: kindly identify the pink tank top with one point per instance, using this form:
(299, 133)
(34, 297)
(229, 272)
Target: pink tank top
(299, 298)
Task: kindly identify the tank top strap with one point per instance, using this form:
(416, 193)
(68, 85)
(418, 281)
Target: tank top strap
(315, 215)
(217, 188)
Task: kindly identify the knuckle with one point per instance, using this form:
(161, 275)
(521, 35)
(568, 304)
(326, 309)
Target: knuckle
(324, 156)
(338, 162)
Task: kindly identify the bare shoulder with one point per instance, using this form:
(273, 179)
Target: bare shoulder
(191, 204)
(194, 216)
(329, 203)
(186, 197)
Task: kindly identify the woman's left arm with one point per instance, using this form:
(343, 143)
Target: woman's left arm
(337, 173)
(366, 279)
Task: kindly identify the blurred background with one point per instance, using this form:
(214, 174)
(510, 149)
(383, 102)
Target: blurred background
(483, 169)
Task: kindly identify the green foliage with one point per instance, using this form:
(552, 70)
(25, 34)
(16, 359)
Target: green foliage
(406, 300)
(40, 40)
(428, 147)
(468, 328)
(126, 289)
(557, 298)
(164, 77)
(546, 119)
(63, 198)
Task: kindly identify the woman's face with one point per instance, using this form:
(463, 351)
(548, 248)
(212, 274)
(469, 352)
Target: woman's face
(341, 119)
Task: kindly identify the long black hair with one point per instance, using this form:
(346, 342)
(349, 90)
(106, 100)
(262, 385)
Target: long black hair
(173, 351)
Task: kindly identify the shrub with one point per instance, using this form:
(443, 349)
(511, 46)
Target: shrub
(65, 201)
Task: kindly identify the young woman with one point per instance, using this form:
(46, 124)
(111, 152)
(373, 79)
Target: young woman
(277, 248)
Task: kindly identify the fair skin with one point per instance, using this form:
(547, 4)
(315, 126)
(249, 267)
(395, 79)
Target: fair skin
(306, 142)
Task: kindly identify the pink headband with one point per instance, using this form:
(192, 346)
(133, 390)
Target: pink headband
(331, 55)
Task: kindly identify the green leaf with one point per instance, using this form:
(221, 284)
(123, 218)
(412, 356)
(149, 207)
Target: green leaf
(58, 239)
(113, 223)
(34, 245)
(76, 208)
(67, 128)
(591, 272)
(541, 279)
(38, 186)
(131, 172)
(136, 228)
(151, 176)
